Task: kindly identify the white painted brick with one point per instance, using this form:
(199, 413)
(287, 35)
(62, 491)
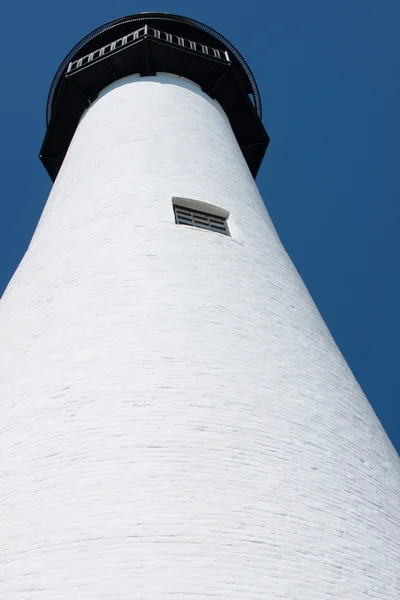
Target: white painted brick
(176, 419)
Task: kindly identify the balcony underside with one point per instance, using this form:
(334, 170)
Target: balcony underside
(148, 55)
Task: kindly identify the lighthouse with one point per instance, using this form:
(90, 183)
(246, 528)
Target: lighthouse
(177, 422)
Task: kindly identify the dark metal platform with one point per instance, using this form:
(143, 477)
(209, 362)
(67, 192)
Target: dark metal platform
(146, 44)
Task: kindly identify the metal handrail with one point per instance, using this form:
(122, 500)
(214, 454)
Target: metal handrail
(131, 19)
(131, 38)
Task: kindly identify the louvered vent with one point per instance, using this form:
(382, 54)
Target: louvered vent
(197, 218)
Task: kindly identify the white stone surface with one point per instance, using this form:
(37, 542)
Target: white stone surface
(176, 419)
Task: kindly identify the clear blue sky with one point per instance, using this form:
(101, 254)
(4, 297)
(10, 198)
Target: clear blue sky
(328, 74)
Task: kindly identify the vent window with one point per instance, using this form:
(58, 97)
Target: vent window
(197, 218)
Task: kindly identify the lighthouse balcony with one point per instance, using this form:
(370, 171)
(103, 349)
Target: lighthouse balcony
(138, 35)
(117, 53)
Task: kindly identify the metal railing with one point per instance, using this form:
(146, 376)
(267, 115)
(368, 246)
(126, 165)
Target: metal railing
(145, 31)
(134, 18)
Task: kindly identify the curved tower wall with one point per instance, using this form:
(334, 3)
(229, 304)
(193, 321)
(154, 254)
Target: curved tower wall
(176, 419)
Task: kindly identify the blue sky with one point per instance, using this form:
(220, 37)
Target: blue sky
(328, 74)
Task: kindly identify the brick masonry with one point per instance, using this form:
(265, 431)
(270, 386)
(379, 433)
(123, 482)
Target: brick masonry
(176, 419)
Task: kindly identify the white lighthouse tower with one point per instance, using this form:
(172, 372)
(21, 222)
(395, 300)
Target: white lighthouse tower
(177, 422)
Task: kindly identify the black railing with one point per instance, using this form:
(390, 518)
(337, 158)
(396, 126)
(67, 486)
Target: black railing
(185, 21)
(145, 31)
